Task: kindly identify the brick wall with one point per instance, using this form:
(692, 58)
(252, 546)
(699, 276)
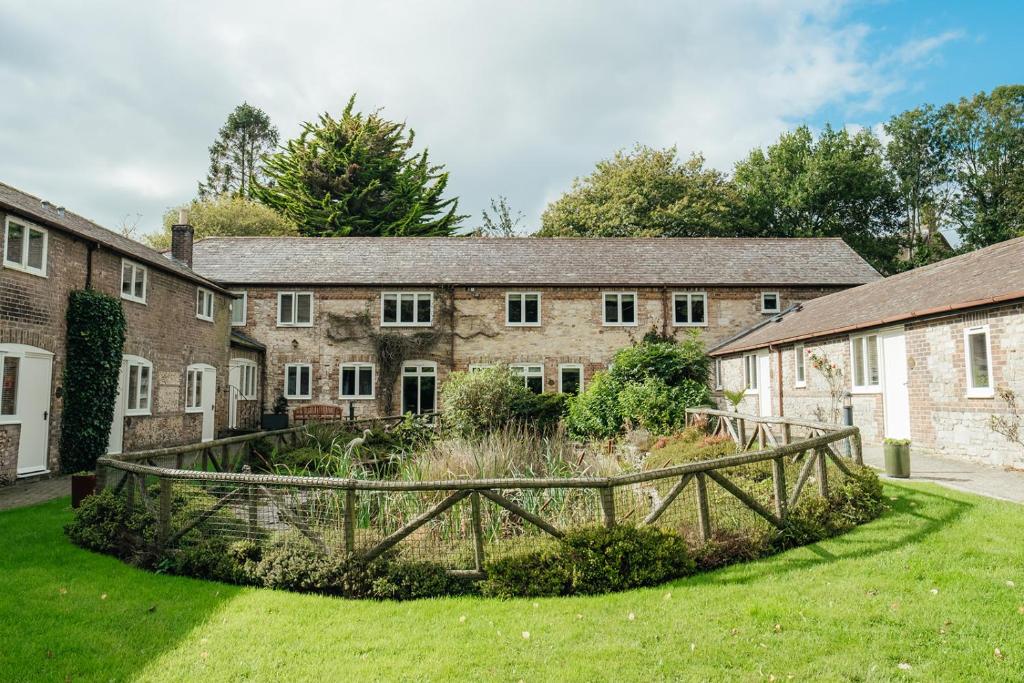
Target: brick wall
(9, 435)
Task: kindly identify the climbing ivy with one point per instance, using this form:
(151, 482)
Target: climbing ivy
(96, 331)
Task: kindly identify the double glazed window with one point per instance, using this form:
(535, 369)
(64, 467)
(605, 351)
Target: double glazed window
(620, 308)
(139, 387)
(864, 354)
(356, 380)
(298, 380)
(977, 353)
(9, 367)
(799, 366)
(419, 387)
(204, 304)
(522, 309)
(247, 381)
(750, 372)
(25, 247)
(238, 305)
(134, 278)
(690, 309)
(533, 375)
(193, 389)
(294, 309)
(570, 378)
(406, 309)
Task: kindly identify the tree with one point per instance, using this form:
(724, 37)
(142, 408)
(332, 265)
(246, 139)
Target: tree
(356, 175)
(985, 141)
(646, 193)
(835, 185)
(225, 216)
(236, 155)
(501, 222)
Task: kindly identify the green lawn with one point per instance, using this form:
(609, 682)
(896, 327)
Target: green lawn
(936, 585)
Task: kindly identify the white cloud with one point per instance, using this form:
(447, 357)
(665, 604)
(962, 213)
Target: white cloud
(514, 98)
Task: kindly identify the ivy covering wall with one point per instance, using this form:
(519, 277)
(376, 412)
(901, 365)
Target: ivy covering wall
(96, 332)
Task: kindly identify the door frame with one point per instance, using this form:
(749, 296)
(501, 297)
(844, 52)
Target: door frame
(890, 398)
(24, 351)
(419, 377)
(207, 400)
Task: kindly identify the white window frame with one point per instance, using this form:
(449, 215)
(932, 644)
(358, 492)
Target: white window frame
(247, 370)
(718, 374)
(475, 367)
(298, 382)
(778, 303)
(295, 309)
(357, 367)
(193, 389)
(422, 368)
(135, 364)
(204, 304)
(508, 300)
(799, 367)
(619, 295)
(568, 366)
(415, 309)
(972, 391)
(23, 265)
(523, 370)
(241, 301)
(136, 268)
(689, 296)
(865, 388)
(750, 373)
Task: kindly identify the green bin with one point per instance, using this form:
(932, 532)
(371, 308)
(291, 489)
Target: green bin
(897, 458)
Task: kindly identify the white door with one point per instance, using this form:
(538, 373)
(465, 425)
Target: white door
(895, 395)
(25, 373)
(234, 393)
(208, 400)
(764, 384)
(115, 444)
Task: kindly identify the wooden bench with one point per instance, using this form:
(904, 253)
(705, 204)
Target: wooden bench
(319, 413)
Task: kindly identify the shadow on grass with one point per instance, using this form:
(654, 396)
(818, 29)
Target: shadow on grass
(914, 515)
(69, 614)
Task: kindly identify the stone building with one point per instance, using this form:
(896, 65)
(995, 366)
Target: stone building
(375, 324)
(933, 355)
(174, 376)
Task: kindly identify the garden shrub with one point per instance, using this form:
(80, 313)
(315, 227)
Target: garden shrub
(667, 359)
(209, 557)
(542, 412)
(411, 580)
(536, 574)
(729, 546)
(104, 524)
(492, 398)
(95, 339)
(690, 445)
(851, 501)
(290, 562)
(658, 407)
(596, 412)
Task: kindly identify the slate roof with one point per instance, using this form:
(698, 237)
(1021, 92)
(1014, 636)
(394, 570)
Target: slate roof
(384, 261)
(991, 275)
(32, 209)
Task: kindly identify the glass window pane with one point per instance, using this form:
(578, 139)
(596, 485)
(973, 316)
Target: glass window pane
(286, 314)
(697, 308)
(15, 243)
(979, 360)
(871, 346)
(365, 381)
(571, 380)
(531, 309)
(304, 381)
(390, 309)
(515, 309)
(798, 359)
(611, 308)
(199, 302)
(126, 278)
(406, 308)
(423, 309)
(535, 384)
(9, 387)
(290, 380)
(410, 398)
(628, 309)
(143, 387)
(682, 314)
(348, 381)
(858, 361)
(427, 394)
(238, 309)
(140, 283)
(36, 242)
(133, 386)
(303, 308)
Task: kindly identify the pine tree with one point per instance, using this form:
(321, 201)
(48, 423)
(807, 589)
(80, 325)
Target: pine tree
(236, 155)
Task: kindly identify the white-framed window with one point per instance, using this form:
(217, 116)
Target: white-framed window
(298, 380)
(194, 389)
(570, 378)
(10, 368)
(239, 304)
(522, 309)
(138, 386)
(799, 366)
(204, 304)
(419, 387)
(770, 302)
(750, 372)
(248, 380)
(406, 309)
(134, 280)
(295, 309)
(718, 373)
(866, 366)
(978, 361)
(619, 309)
(532, 374)
(477, 367)
(25, 246)
(356, 380)
(690, 309)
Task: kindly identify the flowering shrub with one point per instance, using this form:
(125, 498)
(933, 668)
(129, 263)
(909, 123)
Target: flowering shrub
(836, 381)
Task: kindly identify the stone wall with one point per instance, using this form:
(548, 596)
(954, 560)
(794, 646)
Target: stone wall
(9, 435)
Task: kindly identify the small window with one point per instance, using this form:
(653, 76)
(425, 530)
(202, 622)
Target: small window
(193, 390)
(204, 304)
(770, 302)
(522, 309)
(139, 387)
(750, 372)
(239, 302)
(134, 279)
(9, 385)
(570, 378)
(298, 380)
(718, 373)
(356, 380)
(864, 352)
(294, 309)
(533, 376)
(406, 309)
(978, 353)
(477, 367)
(690, 309)
(25, 247)
(620, 308)
(248, 383)
(799, 366)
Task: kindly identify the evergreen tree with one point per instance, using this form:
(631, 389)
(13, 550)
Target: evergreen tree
(236, 156)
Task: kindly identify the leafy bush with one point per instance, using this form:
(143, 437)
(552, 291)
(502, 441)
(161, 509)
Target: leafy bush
(209, 557)
(596, 412)
(484, 400)
(671, 361)
(405, 580)
(542, 412)
(690, 445)
(658, 407)
(537, 574)
(729, 546)
(292, 564)
(851, 501)
(104, 524)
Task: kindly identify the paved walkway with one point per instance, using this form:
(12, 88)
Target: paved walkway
(962, 475)
(34, 491)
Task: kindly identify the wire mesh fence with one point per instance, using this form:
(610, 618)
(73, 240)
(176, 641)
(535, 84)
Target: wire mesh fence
(208, 490)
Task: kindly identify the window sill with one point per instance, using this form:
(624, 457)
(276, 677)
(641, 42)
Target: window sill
(9, 265)
(675, 324)
(191, 411)
(298, 398)
(981, 393)
(407, 324)
(241, 324)
(280, 324)
(507, 324)
(619, 324)
(357, 398)
(800, 385)
(775, 312)
(866, 391)
(134, 300)
(138, 413)
(205, 320)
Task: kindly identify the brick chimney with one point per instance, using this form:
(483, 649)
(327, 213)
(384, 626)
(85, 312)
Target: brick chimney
(182, 235)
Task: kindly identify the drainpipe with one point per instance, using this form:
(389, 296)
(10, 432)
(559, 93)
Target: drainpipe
(90, 248)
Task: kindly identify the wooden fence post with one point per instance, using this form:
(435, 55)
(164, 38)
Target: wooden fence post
(608, 506)
(760, 435)
(787, 434)
(165, 510)
(858, 448)
(703, 514)
(822, 472)
(478, 532)
(741, 431)
(779, 486)
(129, 485)
(350, 521)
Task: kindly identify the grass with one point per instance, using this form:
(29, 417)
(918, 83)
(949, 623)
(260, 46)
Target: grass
(926, 586)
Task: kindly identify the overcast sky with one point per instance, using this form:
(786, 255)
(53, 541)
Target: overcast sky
(108, 108)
